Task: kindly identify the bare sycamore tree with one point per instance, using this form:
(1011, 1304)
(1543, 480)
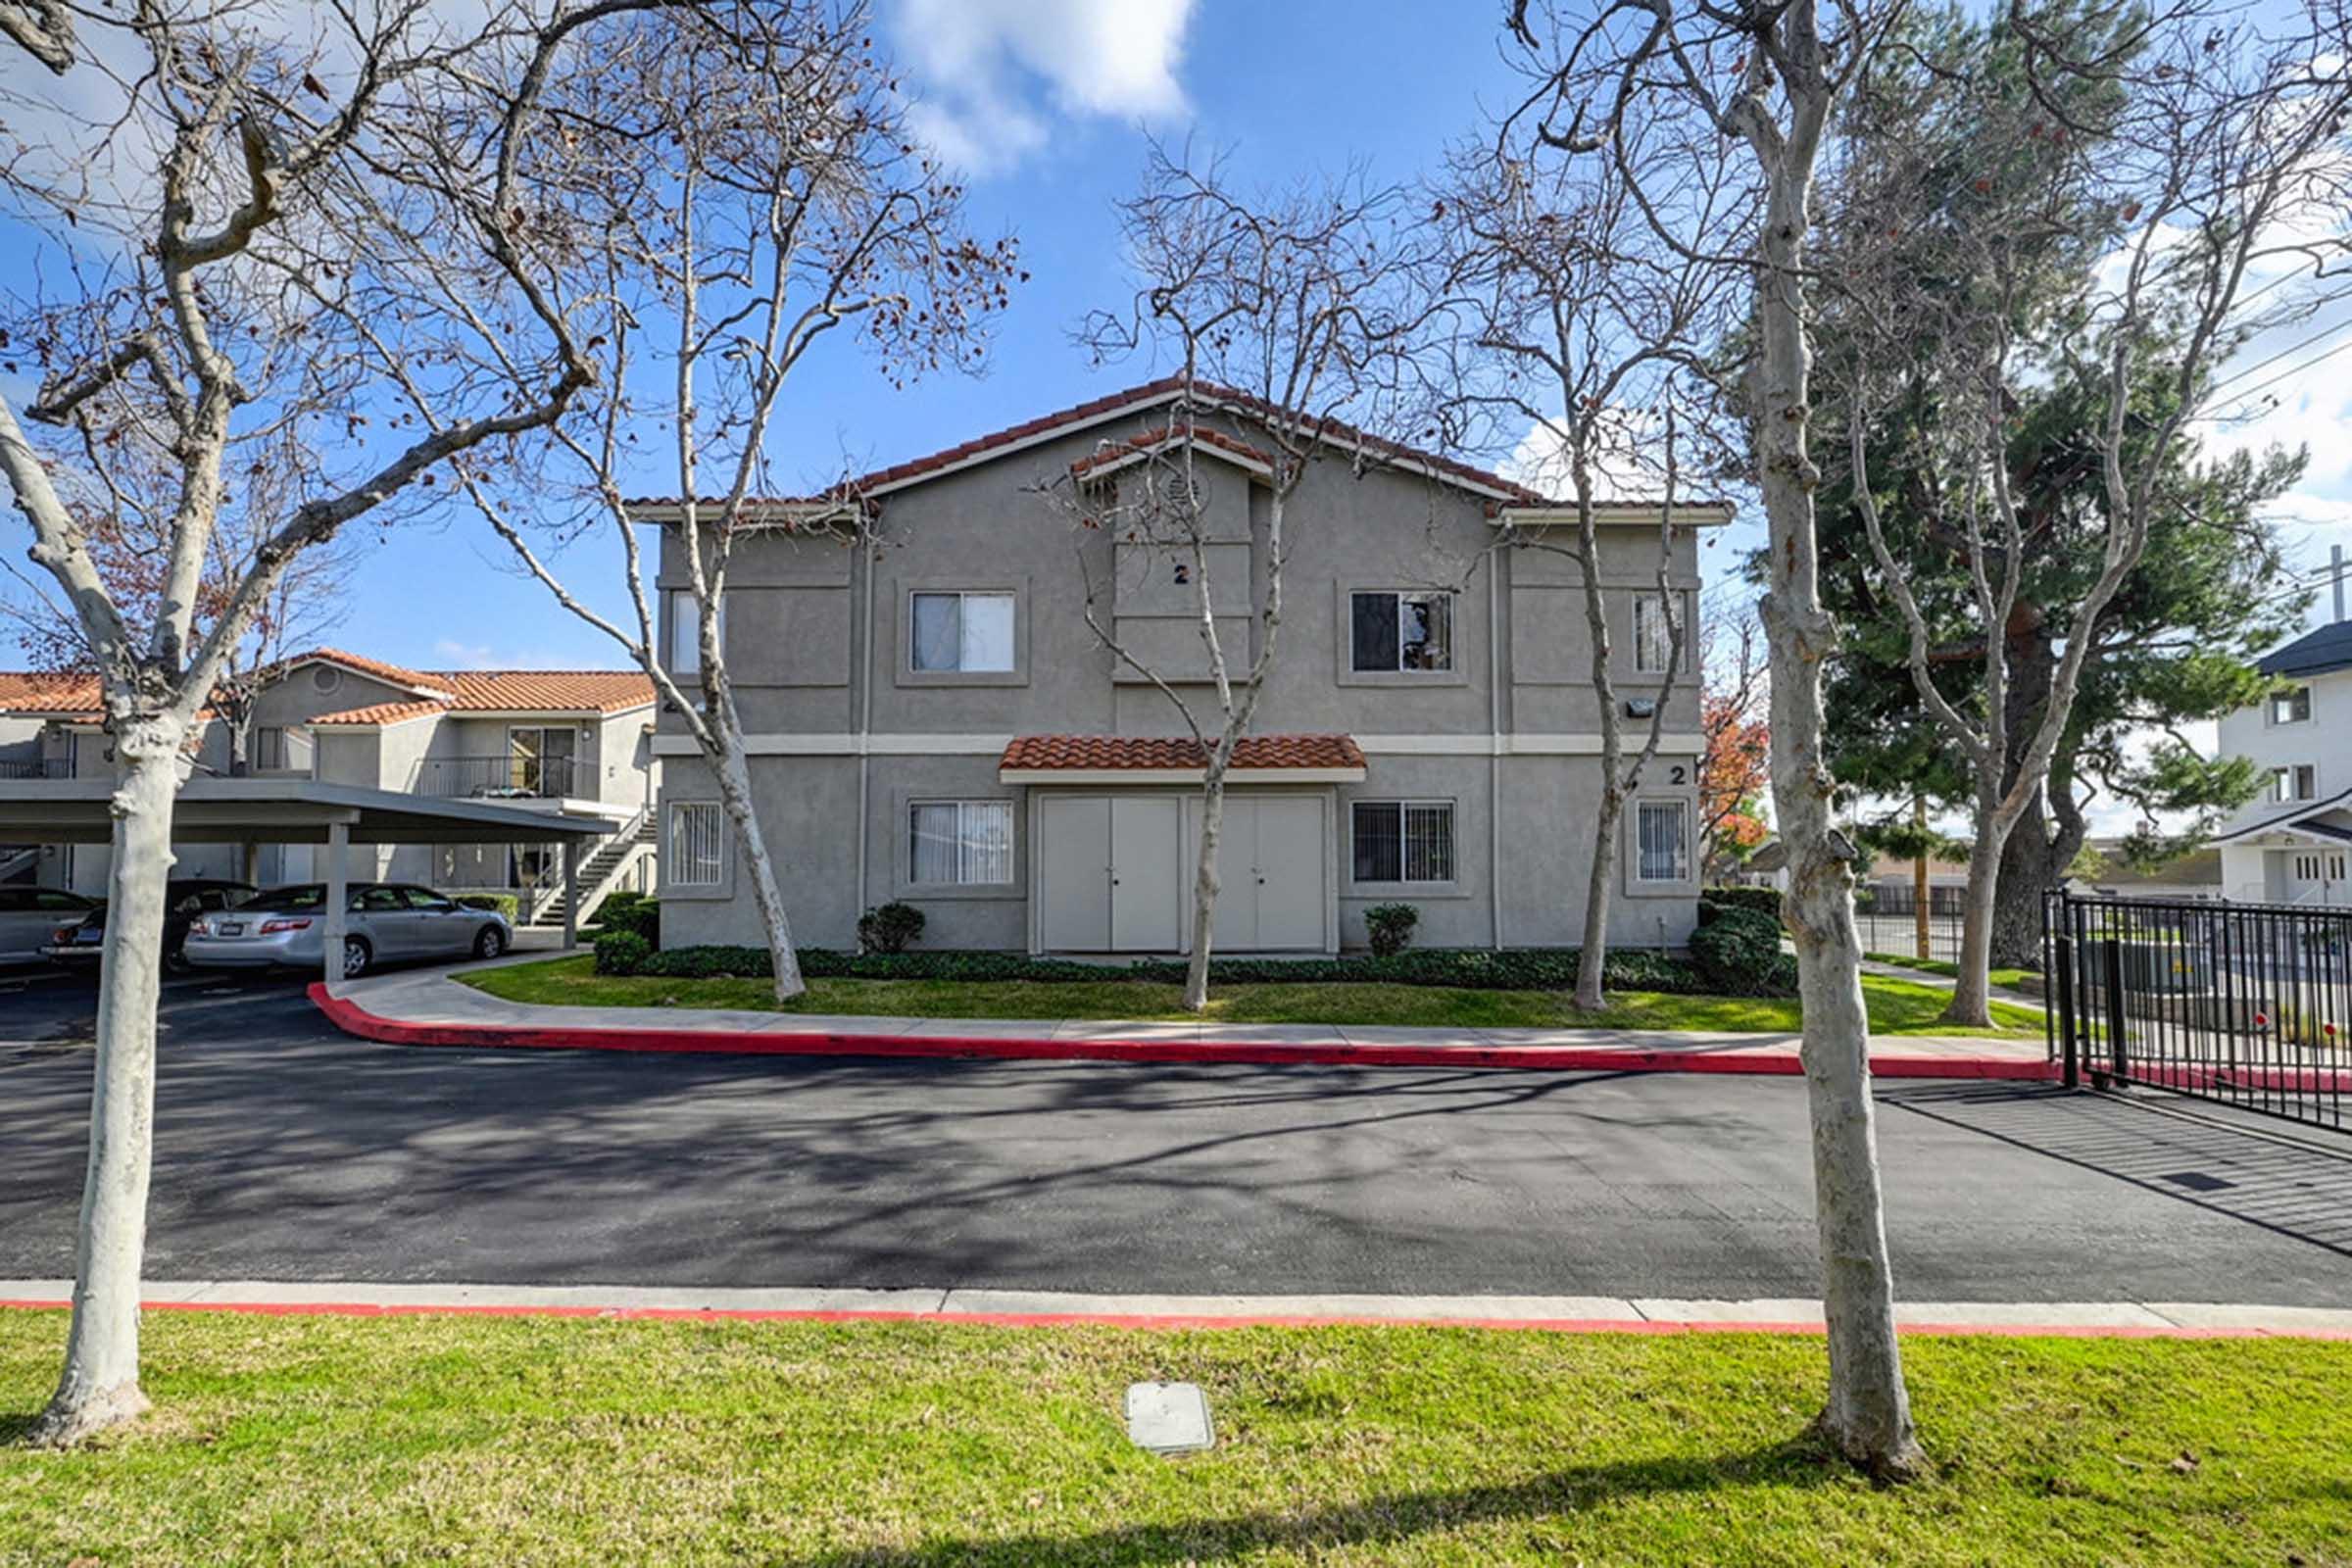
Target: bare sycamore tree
(257, 234)
(2216, 149)
(1574, 324)
(1769, 80)
(771, 196)
(126, 522)
(1287, 313)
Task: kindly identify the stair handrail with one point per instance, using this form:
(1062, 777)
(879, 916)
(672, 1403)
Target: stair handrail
(542, 889)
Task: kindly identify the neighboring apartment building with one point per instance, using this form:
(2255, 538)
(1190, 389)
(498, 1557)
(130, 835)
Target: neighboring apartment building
(2290, 845)
(932, 721)
(579, 741)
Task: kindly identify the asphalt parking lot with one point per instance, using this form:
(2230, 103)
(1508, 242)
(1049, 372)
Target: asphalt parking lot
(288, 1150)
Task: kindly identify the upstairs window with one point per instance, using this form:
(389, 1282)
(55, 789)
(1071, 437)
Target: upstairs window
(2291, 706)
(1401, 631)
(686, 631)
(967, 633)
(1653, 637)
(2301, 782)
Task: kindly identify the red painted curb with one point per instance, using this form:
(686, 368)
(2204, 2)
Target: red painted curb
(354, 1019)
(1171, 1321)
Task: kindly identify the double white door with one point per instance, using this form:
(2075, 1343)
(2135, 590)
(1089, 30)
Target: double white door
(1115, 873)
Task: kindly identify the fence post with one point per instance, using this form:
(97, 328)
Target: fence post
(2062, 978)
(2119, 1063)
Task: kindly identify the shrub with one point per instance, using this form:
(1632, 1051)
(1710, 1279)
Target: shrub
(1764, 901)
(623, 952)
(505, 904)
(633, 912)
(1517, 969)
(1738, 952)
(1390, 927)
(890, 928)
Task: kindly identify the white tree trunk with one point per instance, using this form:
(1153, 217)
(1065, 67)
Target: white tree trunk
(1972, 993)
(1206, 884)
(1593, 959)
(100, 1386)
(735, 795)
(1868, 1413)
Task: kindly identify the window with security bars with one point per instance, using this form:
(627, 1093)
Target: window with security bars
(697, 844)
(1662, 842)
(959, 843)
(1403, 841)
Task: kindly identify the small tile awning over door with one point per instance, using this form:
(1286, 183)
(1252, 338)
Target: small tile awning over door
(1178, 759)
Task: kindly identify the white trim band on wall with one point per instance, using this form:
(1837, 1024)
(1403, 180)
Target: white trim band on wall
(912, 745)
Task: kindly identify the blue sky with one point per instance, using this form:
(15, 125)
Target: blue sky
(1017, 89)
(1046, 102)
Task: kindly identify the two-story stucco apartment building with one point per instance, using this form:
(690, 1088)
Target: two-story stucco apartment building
(932, 721)
(2290, 845)
(571, 741)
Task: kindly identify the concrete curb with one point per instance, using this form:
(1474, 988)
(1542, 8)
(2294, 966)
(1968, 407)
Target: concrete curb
(1055, 1309)
(354, 1019)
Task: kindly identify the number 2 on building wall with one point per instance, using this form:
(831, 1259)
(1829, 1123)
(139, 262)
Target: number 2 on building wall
(1678, 774)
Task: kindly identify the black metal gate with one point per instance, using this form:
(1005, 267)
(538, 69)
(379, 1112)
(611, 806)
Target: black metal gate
(2248, 1004)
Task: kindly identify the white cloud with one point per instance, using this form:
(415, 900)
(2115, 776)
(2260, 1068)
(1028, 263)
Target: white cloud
(980, 68)
(1628, 463)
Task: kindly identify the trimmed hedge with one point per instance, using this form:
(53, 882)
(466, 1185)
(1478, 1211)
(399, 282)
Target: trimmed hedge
(621, 953)
(1738, 952)
(634, 913)
(1764, 901)
(1518, 969)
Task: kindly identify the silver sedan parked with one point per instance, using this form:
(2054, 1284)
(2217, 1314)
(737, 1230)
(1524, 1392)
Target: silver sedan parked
(387, 920)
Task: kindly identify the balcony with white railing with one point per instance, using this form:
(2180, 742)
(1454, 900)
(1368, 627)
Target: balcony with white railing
(504, 779)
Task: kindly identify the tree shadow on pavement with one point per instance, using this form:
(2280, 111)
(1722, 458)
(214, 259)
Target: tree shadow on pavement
(2272, 1175)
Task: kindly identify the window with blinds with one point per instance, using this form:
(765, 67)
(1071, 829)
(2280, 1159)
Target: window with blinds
(1662, 842)
(1403, 841)
(959, 843)
(1653, 636)
(697, 844)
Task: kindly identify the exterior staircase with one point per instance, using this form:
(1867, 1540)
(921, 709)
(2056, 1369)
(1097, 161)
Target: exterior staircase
(600, 874)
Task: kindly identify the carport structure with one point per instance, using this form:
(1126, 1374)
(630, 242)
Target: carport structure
(301, 810)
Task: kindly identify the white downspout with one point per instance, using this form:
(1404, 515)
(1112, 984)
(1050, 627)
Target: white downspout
(1494, 747)
(866, 718)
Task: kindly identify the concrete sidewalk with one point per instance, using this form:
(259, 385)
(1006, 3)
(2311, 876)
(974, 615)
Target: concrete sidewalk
(431, 1007)
(1588, 1313)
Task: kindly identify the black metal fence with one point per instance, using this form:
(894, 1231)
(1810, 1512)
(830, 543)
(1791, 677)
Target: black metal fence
(2246, 1004)
(1889, 923)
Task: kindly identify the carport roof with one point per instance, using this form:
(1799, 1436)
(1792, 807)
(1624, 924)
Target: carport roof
(280, 811)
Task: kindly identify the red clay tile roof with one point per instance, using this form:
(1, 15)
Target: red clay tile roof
(394, 674)
(44, 691)
(492, 691)
(1141, 752)
(380, 713)
(1116, 452)
(884, 480)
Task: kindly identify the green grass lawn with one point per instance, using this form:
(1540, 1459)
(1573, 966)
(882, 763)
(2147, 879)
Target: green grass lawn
(540, 1440)
(1897, 1006)
(2014, 979)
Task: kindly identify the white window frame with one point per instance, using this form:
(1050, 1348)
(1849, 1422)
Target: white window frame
(2290, 696)
(1644, 664)
(2286, 782)
(964, 840)
(673, 861)
(1682, 858)
(1454, 627)
(685, 648)
(962, 596)
(1453, 844)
